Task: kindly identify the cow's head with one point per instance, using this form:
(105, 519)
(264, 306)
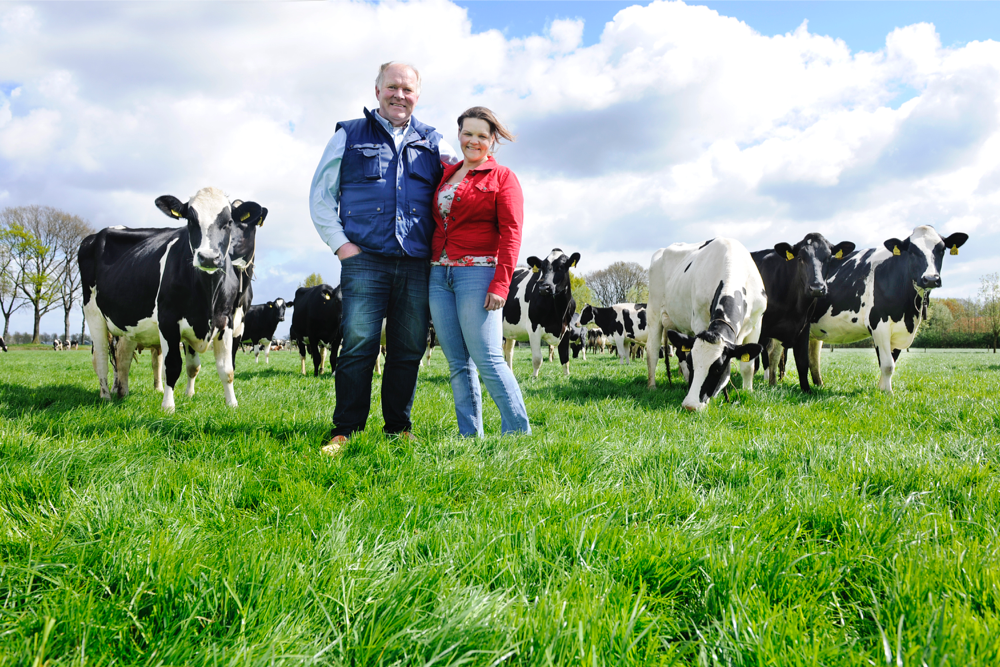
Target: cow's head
(705, 363)
(587, 315)
(210, 225)
(247, 217)
(813, 259)
(277, 307)
(553, 271)
(920, 255)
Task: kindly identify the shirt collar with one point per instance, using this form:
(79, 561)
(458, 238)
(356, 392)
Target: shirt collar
(403, 129)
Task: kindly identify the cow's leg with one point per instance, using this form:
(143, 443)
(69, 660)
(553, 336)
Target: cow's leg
(801, 353)
(99, 335)
(774, 352)
(508, 351)
(222, 346)
(536, 353)
(746, 367)
(256, 353)
(123, 361)
(322, 359)
(314, 354)
(623, 355)
(302, 355)
(267, 353)
(781, 365)
(886, 360)
(193, 367)
(655, 333)
(815, 356)
(170, 344)
(335, 352)
(157, 365)
(564, 353)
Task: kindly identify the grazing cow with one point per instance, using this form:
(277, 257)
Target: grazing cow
(710, 299)
(595, 340)
(57, 345)
(622, 323)
(882, 293)
(259, 325)
(577, 338)
(3, 345)
(316, 325)
(794, 279)
(539, 307)
(165, 289)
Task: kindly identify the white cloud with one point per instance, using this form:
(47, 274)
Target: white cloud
(678, 124)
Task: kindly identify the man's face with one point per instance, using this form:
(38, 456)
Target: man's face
(398, 94)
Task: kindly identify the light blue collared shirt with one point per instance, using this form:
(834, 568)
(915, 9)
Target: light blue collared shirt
(324, 194)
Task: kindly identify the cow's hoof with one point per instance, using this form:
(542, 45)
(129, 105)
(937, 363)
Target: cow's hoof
(169, 409)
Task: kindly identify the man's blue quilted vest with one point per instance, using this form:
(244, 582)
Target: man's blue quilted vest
(386, 197)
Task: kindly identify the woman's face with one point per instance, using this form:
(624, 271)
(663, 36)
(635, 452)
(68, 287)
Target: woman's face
(475, 139)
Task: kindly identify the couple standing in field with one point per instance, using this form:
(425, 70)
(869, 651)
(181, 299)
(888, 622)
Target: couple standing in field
(419, 231)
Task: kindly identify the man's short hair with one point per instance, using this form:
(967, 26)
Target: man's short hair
(385, 66)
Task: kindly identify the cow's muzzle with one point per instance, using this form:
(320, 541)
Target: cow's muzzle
(817, 291)
(547, 290)
(208, 260)
(929, 282)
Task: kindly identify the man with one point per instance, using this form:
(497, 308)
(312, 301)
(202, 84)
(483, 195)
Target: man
(371, 201)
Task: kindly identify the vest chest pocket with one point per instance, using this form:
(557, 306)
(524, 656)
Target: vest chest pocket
(362, 162)
(424, 163)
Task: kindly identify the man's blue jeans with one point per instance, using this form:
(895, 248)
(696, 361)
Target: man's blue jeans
(472, 338)
(376, 287)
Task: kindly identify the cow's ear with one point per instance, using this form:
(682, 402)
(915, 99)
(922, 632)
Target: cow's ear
(289, 304)
(172, 206)
(679, 340)
(263, 214)
(535, 264)
(748, 352)
(784, 250)
(897, 247)
(573, 259)
(841, 249)
(247, 213)
(955, 241)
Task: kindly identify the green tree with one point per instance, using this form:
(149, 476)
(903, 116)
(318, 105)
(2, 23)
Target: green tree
(10, 273)
(581, 293)
(312, 280)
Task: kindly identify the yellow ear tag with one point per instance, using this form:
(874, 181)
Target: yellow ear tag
(573, 265)
(954, 250)
(245, 217)
(326, 296)
(261, 223)
(745, 358)
(176, 213)
(839, 255)
(685, 349)
(789, 256)
(895, 250)
(534, 269)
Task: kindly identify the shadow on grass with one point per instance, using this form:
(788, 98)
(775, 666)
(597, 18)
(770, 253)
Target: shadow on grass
(49, 398)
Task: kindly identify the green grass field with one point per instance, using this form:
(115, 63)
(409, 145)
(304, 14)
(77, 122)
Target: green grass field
(842, 528)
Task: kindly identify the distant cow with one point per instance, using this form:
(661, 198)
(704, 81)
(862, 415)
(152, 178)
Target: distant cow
(57, 345)
(316, 325)
(622, 322)
(794, 279)
(242, 251)
(3, 345)
(595, 340)
(577, 338)
(165, 289)
(260, 323)
(539, 307)
(882, 293)
(710, 299)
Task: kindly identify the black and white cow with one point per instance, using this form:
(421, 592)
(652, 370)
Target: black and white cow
(883, 293)
(577, 338)
(242, 251)
(316, 325)
(259, 326)
(795, 279)
(624, 323)
(165, 289)
(709, 299)
(3, 345)
(539, 307)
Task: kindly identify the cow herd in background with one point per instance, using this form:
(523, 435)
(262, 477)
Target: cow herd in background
(179, 291)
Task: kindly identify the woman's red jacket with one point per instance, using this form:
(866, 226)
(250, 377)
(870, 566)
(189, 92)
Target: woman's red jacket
(485, 219)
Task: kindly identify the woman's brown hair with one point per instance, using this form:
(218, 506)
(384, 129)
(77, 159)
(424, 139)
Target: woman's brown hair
(497, 129)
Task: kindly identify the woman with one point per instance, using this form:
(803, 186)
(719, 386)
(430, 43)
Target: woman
(478, 215)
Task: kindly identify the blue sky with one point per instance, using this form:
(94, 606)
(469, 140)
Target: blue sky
(863, 25)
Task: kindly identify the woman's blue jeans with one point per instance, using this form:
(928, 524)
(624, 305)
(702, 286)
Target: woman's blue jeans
(472, 339)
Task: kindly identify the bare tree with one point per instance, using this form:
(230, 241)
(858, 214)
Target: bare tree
(73, 230)
(989, 292)
(37, 230)
(619, 283)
